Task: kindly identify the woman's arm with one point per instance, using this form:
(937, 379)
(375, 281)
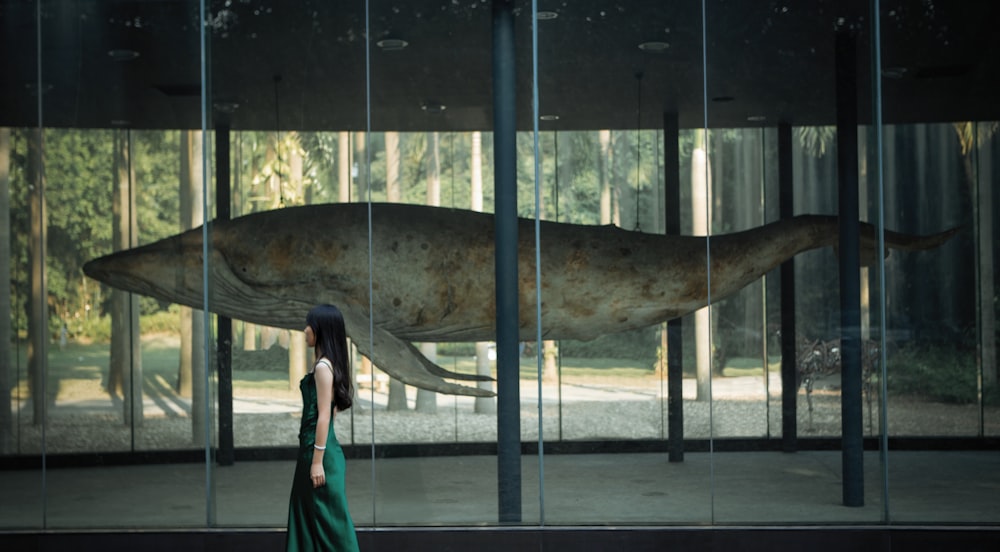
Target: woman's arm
(323, 375)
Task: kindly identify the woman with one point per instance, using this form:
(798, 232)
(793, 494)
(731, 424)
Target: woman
(318, 518)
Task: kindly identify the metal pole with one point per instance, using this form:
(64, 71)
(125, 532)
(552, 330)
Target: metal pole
(850, 270)
(225, 456)
(789, 365)
(505, 211)
(672, 227)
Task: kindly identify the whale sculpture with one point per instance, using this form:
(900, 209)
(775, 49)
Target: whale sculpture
(432, 274)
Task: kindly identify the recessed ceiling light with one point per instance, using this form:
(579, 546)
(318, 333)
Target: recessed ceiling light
(548, 117)
(433, 108)
(547, 15)
(123, 54)
(392, 44)
(226, 106)
(654, 46)
(33, 87)
(756, 118)
(894, 72)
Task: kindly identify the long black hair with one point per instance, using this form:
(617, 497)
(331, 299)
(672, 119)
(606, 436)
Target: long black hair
(327, 324)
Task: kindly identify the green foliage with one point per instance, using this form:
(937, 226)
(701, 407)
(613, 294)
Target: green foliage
(457, 349)
(639, 345)
(160, 321)
(93, 329)
(940, 372)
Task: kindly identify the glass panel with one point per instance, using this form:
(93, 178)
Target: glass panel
(427, 168)
(104, 151)
(21, 418)
(614, 163)
(988, 155)
(289, 96)
(941, 303)
(755, 179)
(107, 188)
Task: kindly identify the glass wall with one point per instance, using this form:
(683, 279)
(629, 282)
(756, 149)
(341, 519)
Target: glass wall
(362, 154)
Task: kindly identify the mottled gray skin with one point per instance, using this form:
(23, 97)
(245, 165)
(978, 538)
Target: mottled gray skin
(433, 274)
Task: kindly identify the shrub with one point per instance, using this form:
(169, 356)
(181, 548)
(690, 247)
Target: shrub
(943, 372)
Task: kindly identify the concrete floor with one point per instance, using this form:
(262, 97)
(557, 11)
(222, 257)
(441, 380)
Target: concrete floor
(724, 489)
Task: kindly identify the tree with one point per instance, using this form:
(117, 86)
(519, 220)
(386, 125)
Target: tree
(38, 308)
(192, 360)
(700, 202)
(483, 405)
(971, 136)
(397, 389)
(125, 363)
(6, 336)
(427, 399)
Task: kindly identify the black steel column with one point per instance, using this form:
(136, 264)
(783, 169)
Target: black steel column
(789, 364)
(505, 216)
(224, 339)
(672, 218)
(850, 271)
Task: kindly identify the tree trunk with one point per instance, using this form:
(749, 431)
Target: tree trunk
(126, 352)
(483, 405)
(427, 399)
(38, 319)
(603, 170)
(397, 390)
(187, 200)
(361, 162)
(6, 337)
(299, 358)
(249, 336)
(983, 183)
(700, 200)
(193, 364)
(184, 362)
(550, 365)
(344, 166)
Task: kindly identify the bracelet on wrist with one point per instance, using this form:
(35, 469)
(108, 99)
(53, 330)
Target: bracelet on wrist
(317, 447)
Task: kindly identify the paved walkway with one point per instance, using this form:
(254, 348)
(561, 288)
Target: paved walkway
(725, 489)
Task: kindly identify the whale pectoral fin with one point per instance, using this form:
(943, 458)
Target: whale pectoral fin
(443, 372)
(404, 362)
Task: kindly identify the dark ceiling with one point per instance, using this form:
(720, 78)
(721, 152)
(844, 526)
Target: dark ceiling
(768, 61)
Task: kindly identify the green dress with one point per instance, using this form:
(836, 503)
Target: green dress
(318, 519)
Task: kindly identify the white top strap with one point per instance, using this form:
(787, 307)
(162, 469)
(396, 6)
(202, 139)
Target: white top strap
(326, 362)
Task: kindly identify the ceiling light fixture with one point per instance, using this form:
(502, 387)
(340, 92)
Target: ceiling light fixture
(756, 118)
(546, 15)
(392, 44)
(548, 117)
(433, 108)
(654, 46)
(894, 72)
(123, 54)
(226, 106)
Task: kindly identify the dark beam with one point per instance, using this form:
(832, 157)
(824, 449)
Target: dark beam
(850, 270)
(672, 217)
(789, 364)
(505, 221)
